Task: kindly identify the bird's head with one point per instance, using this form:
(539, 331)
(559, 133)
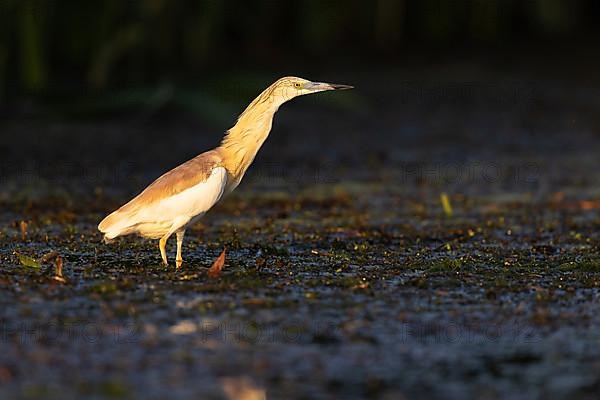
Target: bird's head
(289, 87)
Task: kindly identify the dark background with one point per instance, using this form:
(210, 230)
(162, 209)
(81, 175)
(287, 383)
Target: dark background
(52, 51)
(104, 96)
(119, 91)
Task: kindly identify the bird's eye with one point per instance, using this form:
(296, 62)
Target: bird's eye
(297, 85)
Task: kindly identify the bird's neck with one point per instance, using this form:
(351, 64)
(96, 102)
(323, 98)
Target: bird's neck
(244, 139)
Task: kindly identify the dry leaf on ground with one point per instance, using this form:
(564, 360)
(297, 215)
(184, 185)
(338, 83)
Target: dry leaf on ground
(215, 269)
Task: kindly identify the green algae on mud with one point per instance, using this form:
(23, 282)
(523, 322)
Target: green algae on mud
(352, 284)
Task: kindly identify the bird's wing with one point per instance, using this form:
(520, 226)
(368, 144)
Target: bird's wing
(183, 180)
(187, 204)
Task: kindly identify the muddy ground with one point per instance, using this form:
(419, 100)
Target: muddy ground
(346, 275)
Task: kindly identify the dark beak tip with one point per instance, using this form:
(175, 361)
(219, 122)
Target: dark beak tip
(342, 87)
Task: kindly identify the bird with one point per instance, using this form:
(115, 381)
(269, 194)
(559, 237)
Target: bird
(181, 196)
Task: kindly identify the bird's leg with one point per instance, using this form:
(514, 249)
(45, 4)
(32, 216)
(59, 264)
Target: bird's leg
(179, 260)
(162, 244)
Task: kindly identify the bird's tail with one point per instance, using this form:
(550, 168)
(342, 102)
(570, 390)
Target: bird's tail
(116, 224)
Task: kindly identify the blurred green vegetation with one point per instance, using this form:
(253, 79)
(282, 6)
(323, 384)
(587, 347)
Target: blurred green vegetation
(68, 47)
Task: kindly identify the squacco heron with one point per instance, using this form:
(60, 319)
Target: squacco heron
(180, 197)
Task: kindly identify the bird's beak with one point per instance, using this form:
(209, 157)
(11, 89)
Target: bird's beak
(321, 86)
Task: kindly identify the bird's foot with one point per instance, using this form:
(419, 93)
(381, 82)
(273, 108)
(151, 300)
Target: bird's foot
(162, 243)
